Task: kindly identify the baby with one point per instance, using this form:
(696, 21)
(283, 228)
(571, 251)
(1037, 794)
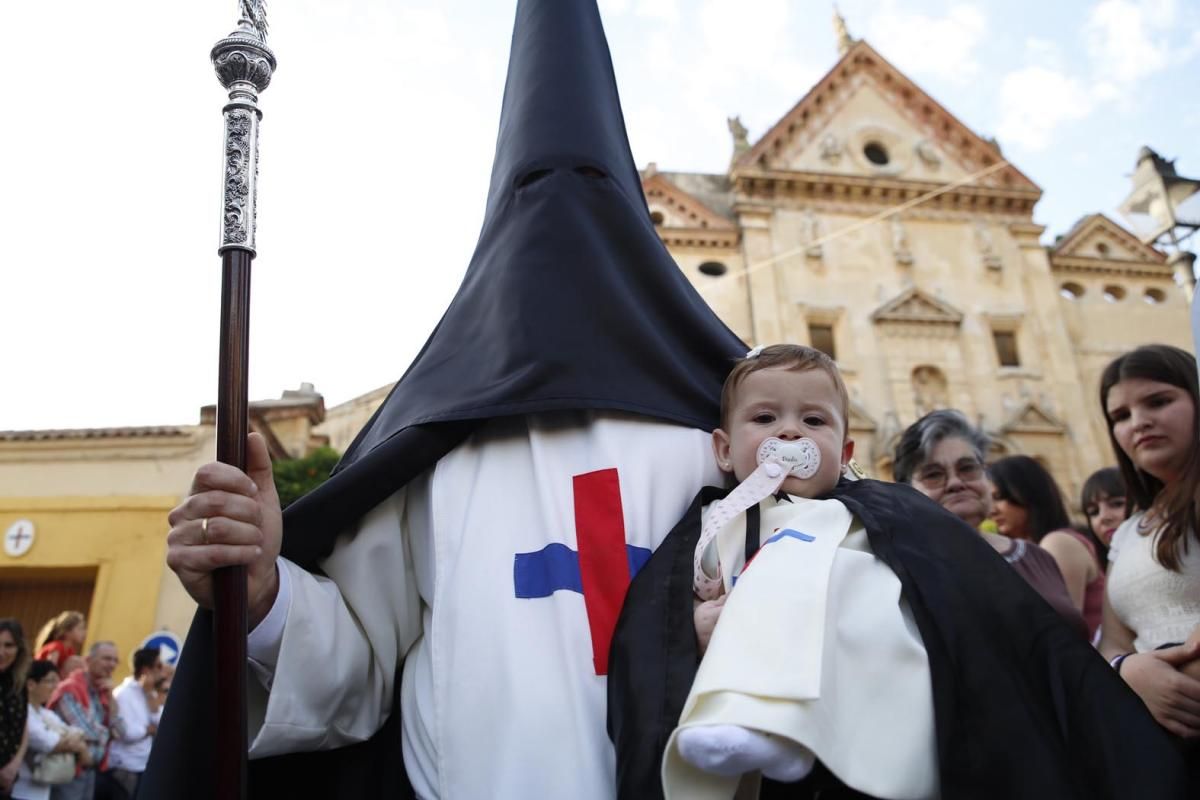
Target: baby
(794, 671)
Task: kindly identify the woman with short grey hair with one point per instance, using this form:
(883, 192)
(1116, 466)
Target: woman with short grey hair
(942, 455)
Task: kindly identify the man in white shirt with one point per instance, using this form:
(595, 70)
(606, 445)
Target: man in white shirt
(137, 713)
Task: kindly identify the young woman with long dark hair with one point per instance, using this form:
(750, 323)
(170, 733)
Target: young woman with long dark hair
(1102, 499)
(1152, 609)
(1027, 504)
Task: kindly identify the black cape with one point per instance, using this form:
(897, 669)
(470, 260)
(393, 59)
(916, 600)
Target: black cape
(1023, 706)
(570, 302)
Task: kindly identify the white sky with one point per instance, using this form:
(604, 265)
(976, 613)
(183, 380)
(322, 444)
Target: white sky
(377, 143)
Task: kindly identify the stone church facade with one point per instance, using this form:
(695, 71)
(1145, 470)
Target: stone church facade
(871, 223)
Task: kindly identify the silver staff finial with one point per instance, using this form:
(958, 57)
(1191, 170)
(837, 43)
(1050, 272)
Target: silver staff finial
(255, 13)
(244, 65)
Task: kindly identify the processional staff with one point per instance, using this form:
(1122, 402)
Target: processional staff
(244, 66)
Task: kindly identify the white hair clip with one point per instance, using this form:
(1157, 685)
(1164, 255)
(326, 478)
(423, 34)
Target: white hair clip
(755, 352)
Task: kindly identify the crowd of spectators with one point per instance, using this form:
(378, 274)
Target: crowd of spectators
(1131, 570)
(1128, 578)
(66, 733)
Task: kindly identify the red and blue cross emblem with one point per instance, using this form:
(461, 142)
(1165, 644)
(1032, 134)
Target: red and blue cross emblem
(600, 570)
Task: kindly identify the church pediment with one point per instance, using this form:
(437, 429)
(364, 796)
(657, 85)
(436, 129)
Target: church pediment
(672, 207)
(915, 305)
(866, 118)
(1032, 418)
(1096, 236)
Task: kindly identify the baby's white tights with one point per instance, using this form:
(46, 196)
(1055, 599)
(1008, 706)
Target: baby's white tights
(730, 750)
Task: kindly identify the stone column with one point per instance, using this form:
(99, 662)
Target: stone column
(763, 283)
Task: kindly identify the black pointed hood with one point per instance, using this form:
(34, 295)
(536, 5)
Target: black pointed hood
(570, 301)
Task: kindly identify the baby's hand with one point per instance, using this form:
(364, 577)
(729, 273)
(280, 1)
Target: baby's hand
(705, 616)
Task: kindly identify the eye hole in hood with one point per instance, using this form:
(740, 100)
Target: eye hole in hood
(531, 177)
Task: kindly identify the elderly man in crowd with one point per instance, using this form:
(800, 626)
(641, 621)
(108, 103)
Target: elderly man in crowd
(83, 699)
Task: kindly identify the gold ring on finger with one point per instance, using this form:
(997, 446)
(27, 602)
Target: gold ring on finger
(204, 531)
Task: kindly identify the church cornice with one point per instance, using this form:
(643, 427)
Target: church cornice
(700, 238)
(752, 184)
(1110, 266)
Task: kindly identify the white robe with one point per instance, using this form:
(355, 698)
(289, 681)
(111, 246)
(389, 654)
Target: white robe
(500, 692)
(815, 644)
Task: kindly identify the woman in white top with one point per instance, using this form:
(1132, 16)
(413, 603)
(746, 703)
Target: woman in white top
(47, 732)
(1151, 627)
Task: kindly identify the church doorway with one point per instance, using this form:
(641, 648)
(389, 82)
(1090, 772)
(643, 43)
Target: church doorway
(34, 595)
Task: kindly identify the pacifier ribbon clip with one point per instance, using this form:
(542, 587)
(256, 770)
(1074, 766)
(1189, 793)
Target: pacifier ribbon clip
(777, 459)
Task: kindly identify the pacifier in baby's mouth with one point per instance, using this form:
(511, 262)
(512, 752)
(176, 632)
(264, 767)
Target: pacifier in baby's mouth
(801, 457)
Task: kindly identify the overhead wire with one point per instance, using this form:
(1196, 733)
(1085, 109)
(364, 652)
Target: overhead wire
(882, 215)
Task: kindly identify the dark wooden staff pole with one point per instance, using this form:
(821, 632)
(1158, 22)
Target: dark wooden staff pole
(244, 66)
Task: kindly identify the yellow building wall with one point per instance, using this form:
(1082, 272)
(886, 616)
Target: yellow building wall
(123, 537)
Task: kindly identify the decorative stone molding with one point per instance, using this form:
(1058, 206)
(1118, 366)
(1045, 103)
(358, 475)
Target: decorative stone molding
(916, 306)
(1032, 417)
(831, 149)
(812, 234)
(781, 186)
(1104, 266)
(928, 154)
(900, 248)
(987, 246)
(701, 238)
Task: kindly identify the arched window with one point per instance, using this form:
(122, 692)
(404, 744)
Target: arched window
(1114, 293)
(713, 268)
(656, 217)
(1071, 290)
(1155, 296)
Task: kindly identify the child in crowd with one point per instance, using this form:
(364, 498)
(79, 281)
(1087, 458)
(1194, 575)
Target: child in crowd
(1151, 629)
(60, 638)
(1103, 502)
(811, 692)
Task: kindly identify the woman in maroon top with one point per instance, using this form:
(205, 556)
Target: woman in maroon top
(1027, 504)
(941, 455)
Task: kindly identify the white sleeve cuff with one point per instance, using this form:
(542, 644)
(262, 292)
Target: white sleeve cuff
(263, 643)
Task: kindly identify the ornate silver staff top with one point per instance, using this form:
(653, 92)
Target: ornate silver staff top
(244, 65)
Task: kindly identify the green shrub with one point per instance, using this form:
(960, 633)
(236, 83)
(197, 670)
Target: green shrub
(296, 477)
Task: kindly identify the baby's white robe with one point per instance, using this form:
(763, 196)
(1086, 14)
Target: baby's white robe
(815, 644)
